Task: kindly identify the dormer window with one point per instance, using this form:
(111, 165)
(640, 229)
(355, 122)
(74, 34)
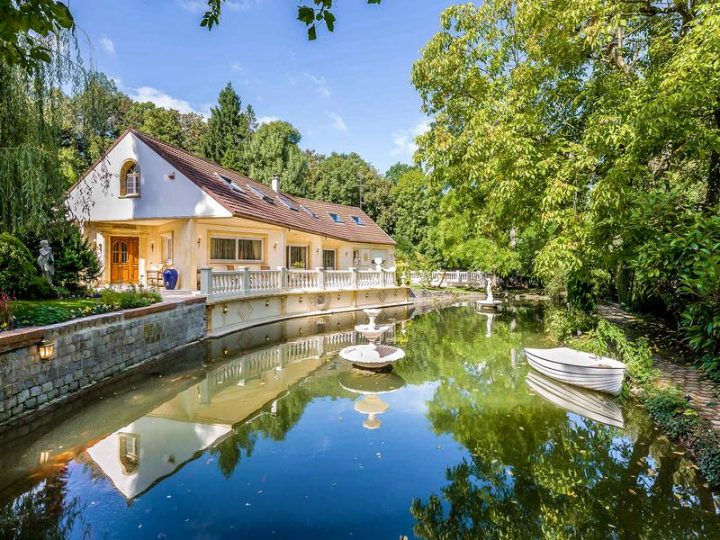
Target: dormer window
(308, 211)
(130, 180)
(358, 220)
(335, 217)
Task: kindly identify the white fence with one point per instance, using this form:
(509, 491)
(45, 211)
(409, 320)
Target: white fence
(445, 278)
(223, 283)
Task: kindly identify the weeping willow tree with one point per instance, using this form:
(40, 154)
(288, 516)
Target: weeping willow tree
(32, 184)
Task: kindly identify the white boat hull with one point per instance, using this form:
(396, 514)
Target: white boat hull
(579, 369)
(586, 403)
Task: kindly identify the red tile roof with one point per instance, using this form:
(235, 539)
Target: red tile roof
(247, 204)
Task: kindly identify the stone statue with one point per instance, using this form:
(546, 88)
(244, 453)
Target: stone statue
(46, 261)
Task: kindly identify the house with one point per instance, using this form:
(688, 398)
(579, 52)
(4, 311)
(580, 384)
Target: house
(146, 205)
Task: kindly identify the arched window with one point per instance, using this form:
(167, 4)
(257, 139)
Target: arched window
(130, 180)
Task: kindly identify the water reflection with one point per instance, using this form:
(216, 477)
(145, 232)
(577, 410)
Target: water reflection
(370, 385)
(259, 434)
(591, 405)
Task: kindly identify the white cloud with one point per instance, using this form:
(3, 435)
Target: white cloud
(267, 119)
(161, 99)
(337, 121)
(235, 66)
(320, 83)
(107, 44)
(404, 140)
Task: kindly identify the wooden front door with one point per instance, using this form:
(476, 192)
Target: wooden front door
(124, 260)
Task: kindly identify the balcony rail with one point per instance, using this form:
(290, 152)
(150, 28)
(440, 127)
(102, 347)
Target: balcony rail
(444, 278)
(215, 283)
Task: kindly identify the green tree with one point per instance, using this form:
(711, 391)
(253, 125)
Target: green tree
(194, 129)
(584, 130)
(273, 150)
(349, 179)
(229, 131)
(398, 169)
(416, 202)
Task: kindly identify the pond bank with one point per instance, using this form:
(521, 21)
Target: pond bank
(680, 398)
(671, 358)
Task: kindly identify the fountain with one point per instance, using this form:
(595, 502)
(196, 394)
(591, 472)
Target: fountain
(372, 356)
(370, 385)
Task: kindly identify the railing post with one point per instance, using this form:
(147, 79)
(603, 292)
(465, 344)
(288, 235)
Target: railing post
(320, 278)
(283, 277)
(246, 278)
(206, 281)
(354, 278)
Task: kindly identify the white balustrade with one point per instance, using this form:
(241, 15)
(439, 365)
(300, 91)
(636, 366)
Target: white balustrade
(227, 283)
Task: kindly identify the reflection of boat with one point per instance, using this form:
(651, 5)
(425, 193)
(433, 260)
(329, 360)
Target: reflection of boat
(592, 405)
(578, 368)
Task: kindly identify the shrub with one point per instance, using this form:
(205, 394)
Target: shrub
(17, 267)
(40, 289)
(76, 262)
(669, 408)
(130, 298)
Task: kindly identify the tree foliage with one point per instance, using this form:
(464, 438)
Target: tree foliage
(229, 131)
(273, 151)
(572, 136)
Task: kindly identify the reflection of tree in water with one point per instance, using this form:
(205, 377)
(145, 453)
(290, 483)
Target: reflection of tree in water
(533, 473)
(43, 512)
(275, 426)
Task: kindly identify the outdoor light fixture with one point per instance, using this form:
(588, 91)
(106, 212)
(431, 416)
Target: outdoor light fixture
(275, 245)
(152, 246)
(267, 303)
(225, 351)
(225, 309)
(46, 348)
(198, 242)
(267, 339)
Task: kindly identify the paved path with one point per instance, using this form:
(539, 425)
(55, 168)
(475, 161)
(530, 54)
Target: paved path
(672, 358)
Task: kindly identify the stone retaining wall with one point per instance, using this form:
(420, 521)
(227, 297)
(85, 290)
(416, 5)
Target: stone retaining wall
(89, 350)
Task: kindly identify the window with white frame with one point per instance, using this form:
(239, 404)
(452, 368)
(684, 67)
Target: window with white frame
(130, 180)
(228, 248)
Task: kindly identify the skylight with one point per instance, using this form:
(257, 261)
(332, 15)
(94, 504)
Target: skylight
(308, 211)
(358, 220)
(335, 217)
(260, 194)
(287, 202)
(231, 183)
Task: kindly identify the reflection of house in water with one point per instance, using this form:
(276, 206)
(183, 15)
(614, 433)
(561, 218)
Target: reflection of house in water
(156, 445)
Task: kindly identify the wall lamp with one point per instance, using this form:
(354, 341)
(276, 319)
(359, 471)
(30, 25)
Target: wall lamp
(198, 240)
(46, 348)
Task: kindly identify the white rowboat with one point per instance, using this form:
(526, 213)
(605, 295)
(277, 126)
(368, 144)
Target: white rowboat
(587, 403)
(578, 368)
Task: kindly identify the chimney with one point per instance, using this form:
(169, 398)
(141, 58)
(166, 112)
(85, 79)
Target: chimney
(276, 184)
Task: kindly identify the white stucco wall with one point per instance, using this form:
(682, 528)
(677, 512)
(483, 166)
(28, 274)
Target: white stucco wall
(97, 196)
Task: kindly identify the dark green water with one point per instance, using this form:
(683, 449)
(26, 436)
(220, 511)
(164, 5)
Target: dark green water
(267, 434)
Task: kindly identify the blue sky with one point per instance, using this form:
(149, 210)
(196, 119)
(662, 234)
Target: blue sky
(347, 91)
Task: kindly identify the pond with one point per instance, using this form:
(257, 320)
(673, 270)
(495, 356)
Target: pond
(268, 433)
